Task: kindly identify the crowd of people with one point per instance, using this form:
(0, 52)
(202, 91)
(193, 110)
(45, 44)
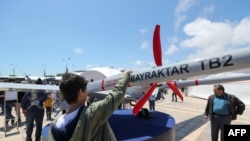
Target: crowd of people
(31, 104)
(77, 106)
(6, 107)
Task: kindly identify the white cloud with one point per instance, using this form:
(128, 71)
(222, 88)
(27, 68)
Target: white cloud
(144, 45)
(143, 63)
(241, 32)
(173, 39)
(208, 10)
(138, 62)
(77, 50)
(212, 37)
(171, 49)
(165, 62)
(180, 20)
(182, 7)
(143, 31)
(205, 33)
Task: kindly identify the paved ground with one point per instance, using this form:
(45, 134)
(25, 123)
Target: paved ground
(190, 125)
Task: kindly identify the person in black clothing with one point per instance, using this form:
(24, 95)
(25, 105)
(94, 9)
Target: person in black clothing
(20, 95)
(32, 105)
(174, 97)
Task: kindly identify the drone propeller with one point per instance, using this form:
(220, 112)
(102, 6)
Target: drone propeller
(158, 61)
(158, 56)
(157, 46)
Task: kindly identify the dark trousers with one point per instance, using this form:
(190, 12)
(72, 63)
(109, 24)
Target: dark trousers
(8, 110)
(48, 112)
(217, 123)
(152, 105)
(174, 97)
(63, 112)
(34, 114)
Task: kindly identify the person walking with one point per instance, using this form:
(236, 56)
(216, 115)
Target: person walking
(174, 97)
(222, 108)
(32, 105)
(152, 103)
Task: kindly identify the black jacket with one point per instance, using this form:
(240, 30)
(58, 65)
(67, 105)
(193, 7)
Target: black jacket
(27, 99)
(236, 106)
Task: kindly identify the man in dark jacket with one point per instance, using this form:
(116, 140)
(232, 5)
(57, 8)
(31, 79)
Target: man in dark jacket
(221, 109)
(32, 105)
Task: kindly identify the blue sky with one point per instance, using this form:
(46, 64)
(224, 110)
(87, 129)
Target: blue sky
(40, 34)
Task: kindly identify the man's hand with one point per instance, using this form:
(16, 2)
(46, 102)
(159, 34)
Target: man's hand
(205, 117)
(25, 111)
(128, 72)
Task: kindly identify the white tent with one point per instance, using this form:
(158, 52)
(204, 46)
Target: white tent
(100, 73)
(241, 89)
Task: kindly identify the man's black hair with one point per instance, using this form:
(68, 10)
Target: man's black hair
(219, 87)
(70, 85)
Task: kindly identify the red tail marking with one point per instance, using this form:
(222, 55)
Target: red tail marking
(103, 84)
(196, 82)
